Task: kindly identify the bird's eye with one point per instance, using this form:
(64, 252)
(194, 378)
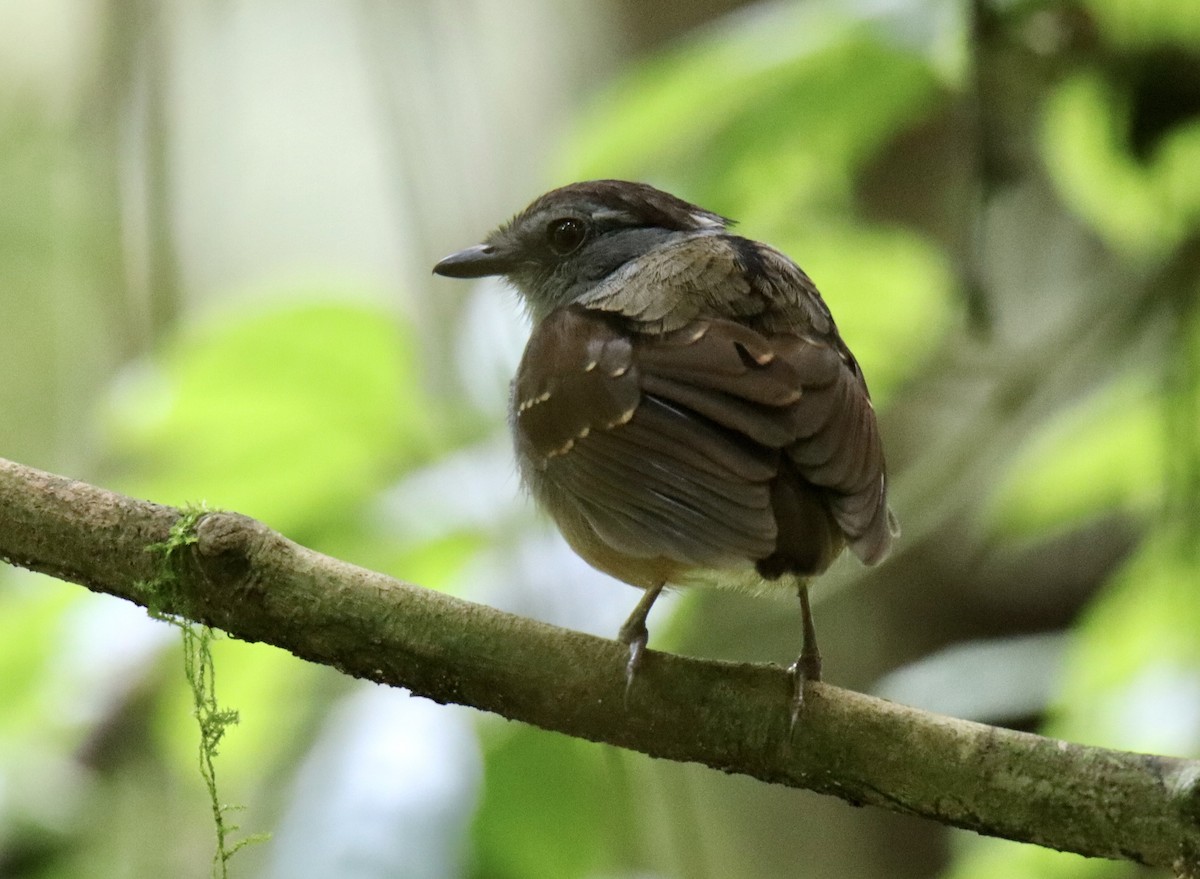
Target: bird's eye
(566, 235)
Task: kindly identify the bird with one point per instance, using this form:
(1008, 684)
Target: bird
(685, 409)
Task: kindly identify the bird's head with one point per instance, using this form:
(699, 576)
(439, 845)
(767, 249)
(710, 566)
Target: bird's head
(571, 238)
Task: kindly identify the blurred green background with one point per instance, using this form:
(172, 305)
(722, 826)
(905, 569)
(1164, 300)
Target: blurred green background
(217, 220)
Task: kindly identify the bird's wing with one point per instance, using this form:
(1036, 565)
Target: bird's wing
(798, 393)
(676, 445)
(650, 478)
(711, 274)
(837, 446)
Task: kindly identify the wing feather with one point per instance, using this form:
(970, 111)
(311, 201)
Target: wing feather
(659, 433)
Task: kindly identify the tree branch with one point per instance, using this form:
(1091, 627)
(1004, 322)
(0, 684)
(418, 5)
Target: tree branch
(242, 577)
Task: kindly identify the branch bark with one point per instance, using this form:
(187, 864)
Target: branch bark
(240, 576)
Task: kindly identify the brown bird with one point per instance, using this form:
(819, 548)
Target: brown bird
(685, 409)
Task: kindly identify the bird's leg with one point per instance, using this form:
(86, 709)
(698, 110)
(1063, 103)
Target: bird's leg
(807, 666)
(634, 633)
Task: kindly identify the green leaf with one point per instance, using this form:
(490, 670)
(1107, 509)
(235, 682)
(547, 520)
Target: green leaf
(1142, 207)
(1137, 24)
(1133, 674)
(548, 808)
(291, 415)
(1102, 456)
(891, 292)
(773, 106)
(773, 117)
(31, 621)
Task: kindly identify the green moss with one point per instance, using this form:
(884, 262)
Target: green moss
(165, 602)
(162, 592)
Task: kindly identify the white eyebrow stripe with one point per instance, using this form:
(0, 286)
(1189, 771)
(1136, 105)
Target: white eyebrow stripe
(609, 214)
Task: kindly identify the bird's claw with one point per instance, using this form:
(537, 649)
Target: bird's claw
(634, 634)
(636, 638)
(797, 695)
(807, 667)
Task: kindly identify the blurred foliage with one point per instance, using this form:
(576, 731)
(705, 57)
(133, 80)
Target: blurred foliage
(292, 416)
(564, 819)
(1102, 455)
(1134, 678)
(1142, 24)
(1044, 453)
(771, 121)
(1146, 207)
(57, 277)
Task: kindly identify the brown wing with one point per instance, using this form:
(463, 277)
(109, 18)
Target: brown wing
(713, 275)
(698, 447)
(702, 273)
(837, 446)
(649, 478)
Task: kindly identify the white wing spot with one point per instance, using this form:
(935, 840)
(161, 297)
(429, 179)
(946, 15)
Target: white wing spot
(529, 403)
(566, 447)
(624, 419)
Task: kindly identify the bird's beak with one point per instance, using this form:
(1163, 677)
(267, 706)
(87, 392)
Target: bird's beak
(474, 262)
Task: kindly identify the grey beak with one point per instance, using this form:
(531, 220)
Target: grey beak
(474, 262)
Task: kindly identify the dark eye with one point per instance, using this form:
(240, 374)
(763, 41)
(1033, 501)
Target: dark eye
(566, 235)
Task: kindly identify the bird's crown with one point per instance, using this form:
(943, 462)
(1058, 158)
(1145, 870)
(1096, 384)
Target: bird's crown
(621, 203)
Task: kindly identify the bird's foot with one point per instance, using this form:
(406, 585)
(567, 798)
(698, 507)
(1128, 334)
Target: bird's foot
(807, 667)
(634, 635)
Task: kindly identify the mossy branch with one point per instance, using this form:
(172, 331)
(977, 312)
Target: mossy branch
(242, 577)
(167, 602)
